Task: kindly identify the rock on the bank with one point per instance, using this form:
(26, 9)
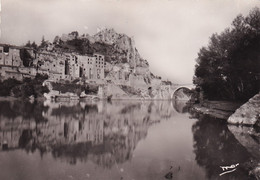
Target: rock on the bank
(248, 113)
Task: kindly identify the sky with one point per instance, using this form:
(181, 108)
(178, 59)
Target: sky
(167, 33)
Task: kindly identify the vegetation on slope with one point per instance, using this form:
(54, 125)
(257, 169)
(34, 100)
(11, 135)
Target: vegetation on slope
(26, 88)
(74, 87)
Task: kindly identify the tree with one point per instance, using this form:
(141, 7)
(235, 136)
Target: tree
(43, 43)
(34, 45)
(229, 67)
(56, 40)
(28, 44)
(75, 34)
(26, 57)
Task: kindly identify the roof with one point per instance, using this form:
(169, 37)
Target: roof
(98, 53)
(16, 47)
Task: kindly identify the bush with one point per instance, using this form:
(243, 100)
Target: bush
(28, 87)
(7, 85)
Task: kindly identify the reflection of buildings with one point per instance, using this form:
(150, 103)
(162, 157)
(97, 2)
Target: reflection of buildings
(11, 130)
(103, 133)
(70, 131)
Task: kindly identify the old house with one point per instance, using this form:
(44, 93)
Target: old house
(19, 62)
(92, 67)
(16, 62)
(52, 64)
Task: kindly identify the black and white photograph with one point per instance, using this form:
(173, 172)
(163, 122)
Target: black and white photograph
(129, 89)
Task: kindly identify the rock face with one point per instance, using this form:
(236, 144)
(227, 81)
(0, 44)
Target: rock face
(117, 47)
(248, 113)
(123, 46)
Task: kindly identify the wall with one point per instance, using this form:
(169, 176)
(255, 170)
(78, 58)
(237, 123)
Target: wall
(1, 55)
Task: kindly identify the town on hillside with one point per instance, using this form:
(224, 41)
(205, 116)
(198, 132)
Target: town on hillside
(19, 62)
(107, 62)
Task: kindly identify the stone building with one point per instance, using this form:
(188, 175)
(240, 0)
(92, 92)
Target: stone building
(12, 65)
(52, 64)
(74, 66)
(92, 67)
(58, 66)
(70, 66)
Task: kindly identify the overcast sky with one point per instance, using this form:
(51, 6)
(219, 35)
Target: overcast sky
(168, 33)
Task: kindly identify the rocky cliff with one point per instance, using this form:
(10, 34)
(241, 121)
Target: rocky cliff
(123, 46)
(117, 47)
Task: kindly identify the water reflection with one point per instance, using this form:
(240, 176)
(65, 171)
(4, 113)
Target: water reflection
(103, 132)
(144, 140)
(181, 106)
(215, 146)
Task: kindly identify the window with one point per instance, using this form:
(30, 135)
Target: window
(90, 73)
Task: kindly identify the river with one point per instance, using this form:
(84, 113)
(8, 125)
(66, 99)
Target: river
(118, 140)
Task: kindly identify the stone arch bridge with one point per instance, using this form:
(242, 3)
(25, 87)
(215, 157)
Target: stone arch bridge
(170, 90)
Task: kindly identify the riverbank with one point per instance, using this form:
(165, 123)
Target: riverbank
(217, 109)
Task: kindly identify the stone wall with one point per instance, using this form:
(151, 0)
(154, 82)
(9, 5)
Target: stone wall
(2, 55)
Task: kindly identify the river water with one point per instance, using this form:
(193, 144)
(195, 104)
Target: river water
(119, 140)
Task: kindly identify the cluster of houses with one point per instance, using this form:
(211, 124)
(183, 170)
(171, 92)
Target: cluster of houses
(19, 62)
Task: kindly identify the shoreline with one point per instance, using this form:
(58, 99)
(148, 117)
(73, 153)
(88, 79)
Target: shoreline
(217, 109)
(11, 98)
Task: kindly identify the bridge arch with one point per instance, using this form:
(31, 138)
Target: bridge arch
(177, 89)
